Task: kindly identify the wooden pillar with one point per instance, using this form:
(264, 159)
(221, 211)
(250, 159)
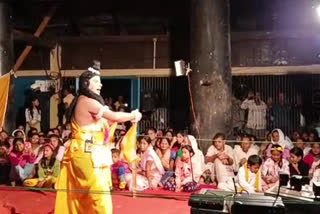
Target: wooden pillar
(6, 59)
(211, 69)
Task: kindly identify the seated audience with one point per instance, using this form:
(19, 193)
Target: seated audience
(55, 141)
(4, 162)
(297, 166)
(198, 164)
(119, 169)
(243, 151)
(273, 166)
(150, 165)
(313, 156)
(176, 144)
(220, 157)
(22, 166)
(184, 179)
(278, 138)
(48, 169)
(249, 175)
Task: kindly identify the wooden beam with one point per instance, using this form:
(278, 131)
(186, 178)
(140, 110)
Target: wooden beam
(31, 40)
(167, 72)
(38, 32)
(160, 72)
(276, 70)
(126, 38)
(266, 35)
(55, 59)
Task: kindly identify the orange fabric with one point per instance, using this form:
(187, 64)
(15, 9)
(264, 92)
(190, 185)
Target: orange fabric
(4, 92)
(111, 131)
(128, 145)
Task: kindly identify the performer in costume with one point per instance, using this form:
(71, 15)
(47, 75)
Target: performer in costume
(83, 186)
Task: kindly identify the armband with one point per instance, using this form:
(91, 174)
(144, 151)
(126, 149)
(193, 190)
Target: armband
(101, 111)
(135, 113)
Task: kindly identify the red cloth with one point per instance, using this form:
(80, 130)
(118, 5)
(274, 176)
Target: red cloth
(308, 159)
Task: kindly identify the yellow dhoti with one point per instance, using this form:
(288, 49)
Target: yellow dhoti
(83, 186)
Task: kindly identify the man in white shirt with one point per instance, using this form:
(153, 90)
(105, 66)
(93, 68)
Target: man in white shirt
(243, 151)
(220, 157)
(257, 110)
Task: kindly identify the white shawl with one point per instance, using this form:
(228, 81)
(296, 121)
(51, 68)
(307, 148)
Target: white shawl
(198, 164)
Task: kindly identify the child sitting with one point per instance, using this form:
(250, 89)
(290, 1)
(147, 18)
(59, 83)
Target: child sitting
(297, 166)
(48, 169)
(249, 175)
(22, 166)
(183, 173)
(176, 145)
(58, 147)
(118, 170)
(313, 156)
(272, 167)
(303, 146)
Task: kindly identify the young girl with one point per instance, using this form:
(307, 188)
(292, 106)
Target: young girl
(175, 147)
(33, 115)
(35, 145)
(184, 179)
(22, 166)
(313, 156)
(278, 138)
(249, 175)
(10, 142)
(169, 135)
(220, 157)
(48, 171)
(3, 136)
(272, 167)
(297, 166)
(58, 147)
(243, 152)
(303, 146)
(150, 165)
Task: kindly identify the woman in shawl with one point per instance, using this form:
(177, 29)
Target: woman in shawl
(278, 138)
(198, 165)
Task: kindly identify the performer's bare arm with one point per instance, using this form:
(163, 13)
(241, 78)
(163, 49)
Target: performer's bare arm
(95, 107)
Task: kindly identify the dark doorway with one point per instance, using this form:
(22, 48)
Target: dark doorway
(117, 87)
